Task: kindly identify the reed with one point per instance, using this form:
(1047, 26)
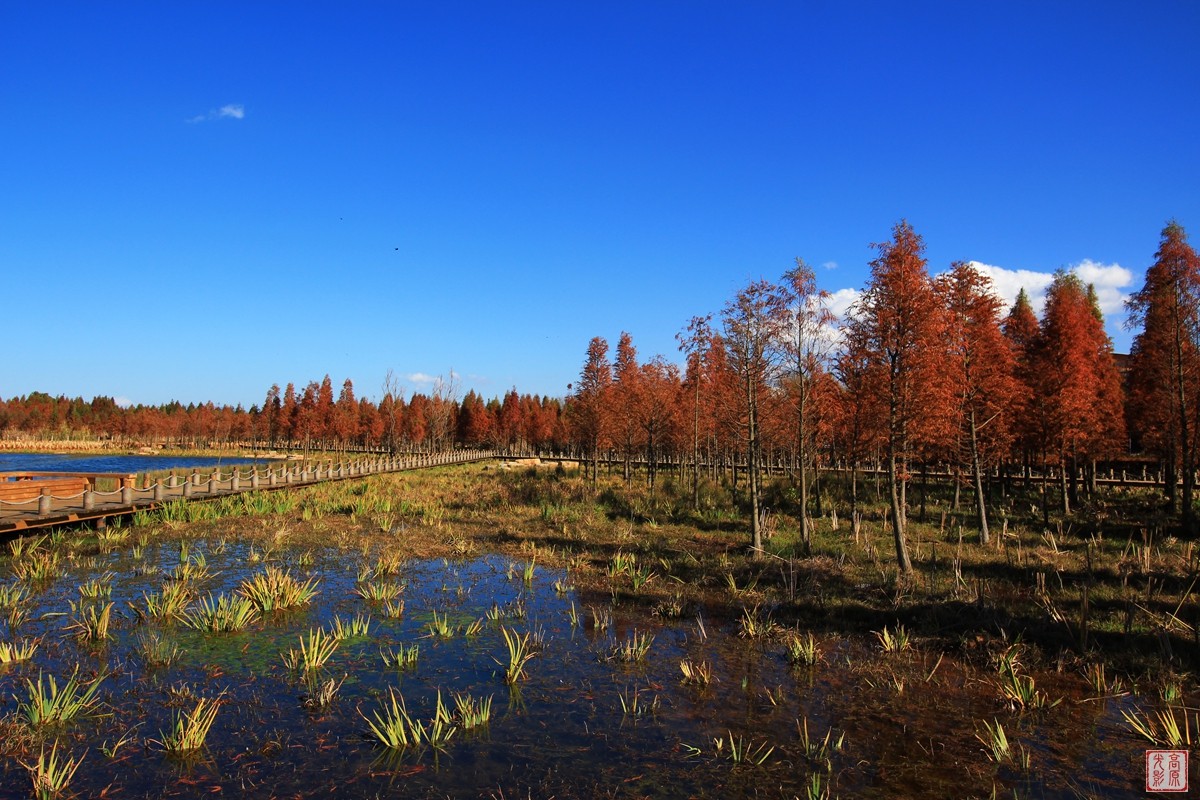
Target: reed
(316, 648)
(320, 693)
(519, 655)
(47, 704)
(51, 773)
(394, 728)
(633, 649)
(995, 740)
(816, 750)
(896, 641)
(403, 658)
(92, 625)
(274, 590)
(191, 728)
(696, 674)
(12, 652)
(393, 610)
(740, 751)
(377, 591)
(632, 704)
(472, 712)
(157, 651)
(97, 588)
(754, 624)
(357, 628)
(440, 626)
(38, 567)
(802, 650)
(1161, 728)
(224, 613)
(167, 604)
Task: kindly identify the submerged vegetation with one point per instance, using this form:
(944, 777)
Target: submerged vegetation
(621, 628)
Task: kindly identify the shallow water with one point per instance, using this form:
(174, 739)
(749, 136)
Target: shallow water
(562, 732)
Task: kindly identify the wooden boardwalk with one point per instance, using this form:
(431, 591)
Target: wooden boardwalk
(47, 510)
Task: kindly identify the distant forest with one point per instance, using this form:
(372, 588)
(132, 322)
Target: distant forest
(923, 371)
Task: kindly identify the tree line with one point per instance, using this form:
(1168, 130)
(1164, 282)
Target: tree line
(923, 371)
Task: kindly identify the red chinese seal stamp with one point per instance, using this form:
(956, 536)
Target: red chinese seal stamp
(1166, 770)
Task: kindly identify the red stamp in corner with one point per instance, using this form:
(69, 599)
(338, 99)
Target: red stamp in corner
(1166, 770)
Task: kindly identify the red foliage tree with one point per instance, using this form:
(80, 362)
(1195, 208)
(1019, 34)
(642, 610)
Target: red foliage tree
(1164, 374)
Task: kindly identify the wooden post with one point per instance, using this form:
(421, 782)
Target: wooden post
(126, 496)
(44, 503)
(235, 480)
(158, 491)
(254, 477)
(188, 489)
(89, 500)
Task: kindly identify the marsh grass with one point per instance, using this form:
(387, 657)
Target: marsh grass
(519, 655)
(378, 591)
(696, 674)
(48, 704)
(316, 648)
(472, 712)
(359, 627)
(51, 773)
(633, 704)
(802, 649)
(893, 641)
(754, 624)
(190, 728)
(275, 590)
(38, 566)
(633, 649)
(97, 588)
(995, 741)
(740, 751)
(1161, 728)
(167, 604)
(224, 613)
(92, 625)
(320, 693)
(819, 751)
(156, 650)
(12, 652)
(401, 658)
(1021, 691)
(439, 627)
(393, 727)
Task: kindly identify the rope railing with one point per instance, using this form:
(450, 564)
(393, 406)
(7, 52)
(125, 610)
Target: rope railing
(205, 484)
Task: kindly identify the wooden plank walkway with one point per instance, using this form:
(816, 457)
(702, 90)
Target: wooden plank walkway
(48, 510)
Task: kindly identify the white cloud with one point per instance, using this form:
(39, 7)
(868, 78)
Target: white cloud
(227, 111)
(123, 402)
(830, 265)
(421, 378)
(1108, 280)
(839, 302)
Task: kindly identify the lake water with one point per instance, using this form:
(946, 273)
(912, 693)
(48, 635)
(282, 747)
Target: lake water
(111, 462)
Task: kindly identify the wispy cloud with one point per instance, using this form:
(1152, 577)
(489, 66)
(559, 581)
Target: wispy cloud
(228, 111)
(830, 265)
(421, 378)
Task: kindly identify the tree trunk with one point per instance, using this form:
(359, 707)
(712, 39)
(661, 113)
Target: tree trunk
(897, 514)
(980, 502)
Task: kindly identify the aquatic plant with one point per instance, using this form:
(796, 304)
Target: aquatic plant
(802, 649)
(11, 652)
(696, 674)
(320, 693)
(168, 604)
(274, 589)
(97, 588)
(896, 641)
(440, 626)
(633, 649)
(358, 627)
(393, 610)
(519, 655)
(221, 614)
(754, 624)
(315, 650)
(632, 704)
(47, 704)
(403, 658)
(156, 650)
(472, 712)
(1161, 728)
(740, 751)
(394, 728)
(1021, 690)
(377, 591)
(818, 750)
(191, 728)
(38, 567)
(995, 740)
(91, 625)
(51, 774)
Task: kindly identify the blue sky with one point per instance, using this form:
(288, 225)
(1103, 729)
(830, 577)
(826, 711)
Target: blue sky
(203, 199)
